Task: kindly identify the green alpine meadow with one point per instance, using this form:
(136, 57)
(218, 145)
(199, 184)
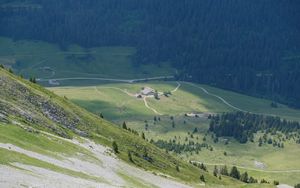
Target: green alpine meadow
(154, 94)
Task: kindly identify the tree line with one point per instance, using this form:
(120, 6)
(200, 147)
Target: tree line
(246, 46)
(178, 148)
(242, 126)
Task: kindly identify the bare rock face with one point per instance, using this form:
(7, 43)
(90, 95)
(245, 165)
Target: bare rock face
(3, 117)
(30, 106)
(58, 115)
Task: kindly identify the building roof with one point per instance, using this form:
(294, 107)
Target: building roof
(147, 90)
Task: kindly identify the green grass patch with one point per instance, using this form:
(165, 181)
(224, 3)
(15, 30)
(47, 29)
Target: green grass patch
(44, 144)
(9, 157)
(134, 182)
(32, 57)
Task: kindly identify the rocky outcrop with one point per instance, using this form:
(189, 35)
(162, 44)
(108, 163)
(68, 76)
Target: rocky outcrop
(30, 106)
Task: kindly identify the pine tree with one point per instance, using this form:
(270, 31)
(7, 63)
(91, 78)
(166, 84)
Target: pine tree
(177, 168)
(270, 141)
(215, 173)
(224, 171)
(115, 147)
(202, 178)
(156, 96)
(252, 180)
(260, 142)
(130, 157)
(235, 173)
(124, 126)
(146, 126)
(195, 130)
(244, 177)
(203, 167)
(32, 79)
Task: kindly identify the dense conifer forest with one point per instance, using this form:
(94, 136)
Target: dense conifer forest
(242, 126)
(251, 47)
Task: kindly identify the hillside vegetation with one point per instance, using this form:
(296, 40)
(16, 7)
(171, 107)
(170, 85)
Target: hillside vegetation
(30, 113)
(188, 137)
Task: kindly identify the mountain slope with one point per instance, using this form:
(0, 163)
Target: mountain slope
(251, 47)
(36, 131)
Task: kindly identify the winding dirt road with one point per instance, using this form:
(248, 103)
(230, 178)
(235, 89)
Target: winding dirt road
(144, 98)
(217, 96)
(107, 79)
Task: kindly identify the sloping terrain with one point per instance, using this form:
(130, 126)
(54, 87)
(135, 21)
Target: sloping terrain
(47, 140)
(118, 103)
(86, 164)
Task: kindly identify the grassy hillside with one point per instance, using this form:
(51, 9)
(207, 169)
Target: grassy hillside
(33, 109)
(255, 105)
(45, 60)
(115, 102)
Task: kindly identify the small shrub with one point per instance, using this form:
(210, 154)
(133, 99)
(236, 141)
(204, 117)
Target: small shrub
(202, 178)
(115, 147)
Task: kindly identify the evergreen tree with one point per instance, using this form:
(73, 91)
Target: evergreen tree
(195, 130)
(224, 171)
(115, 147)
(32, 79)
(203, 167)
(235, 173)
(177, 168)
(156, 96)
(263, 181)
(244, 177)
(130, 157)
(252, 180)
(270, 141)
(143, 136)
(215, 172)
(124, 126)
(202, 178)
(259, 142)
(173, 124)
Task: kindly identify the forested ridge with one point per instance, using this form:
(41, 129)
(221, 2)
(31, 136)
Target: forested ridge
(248, 46)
